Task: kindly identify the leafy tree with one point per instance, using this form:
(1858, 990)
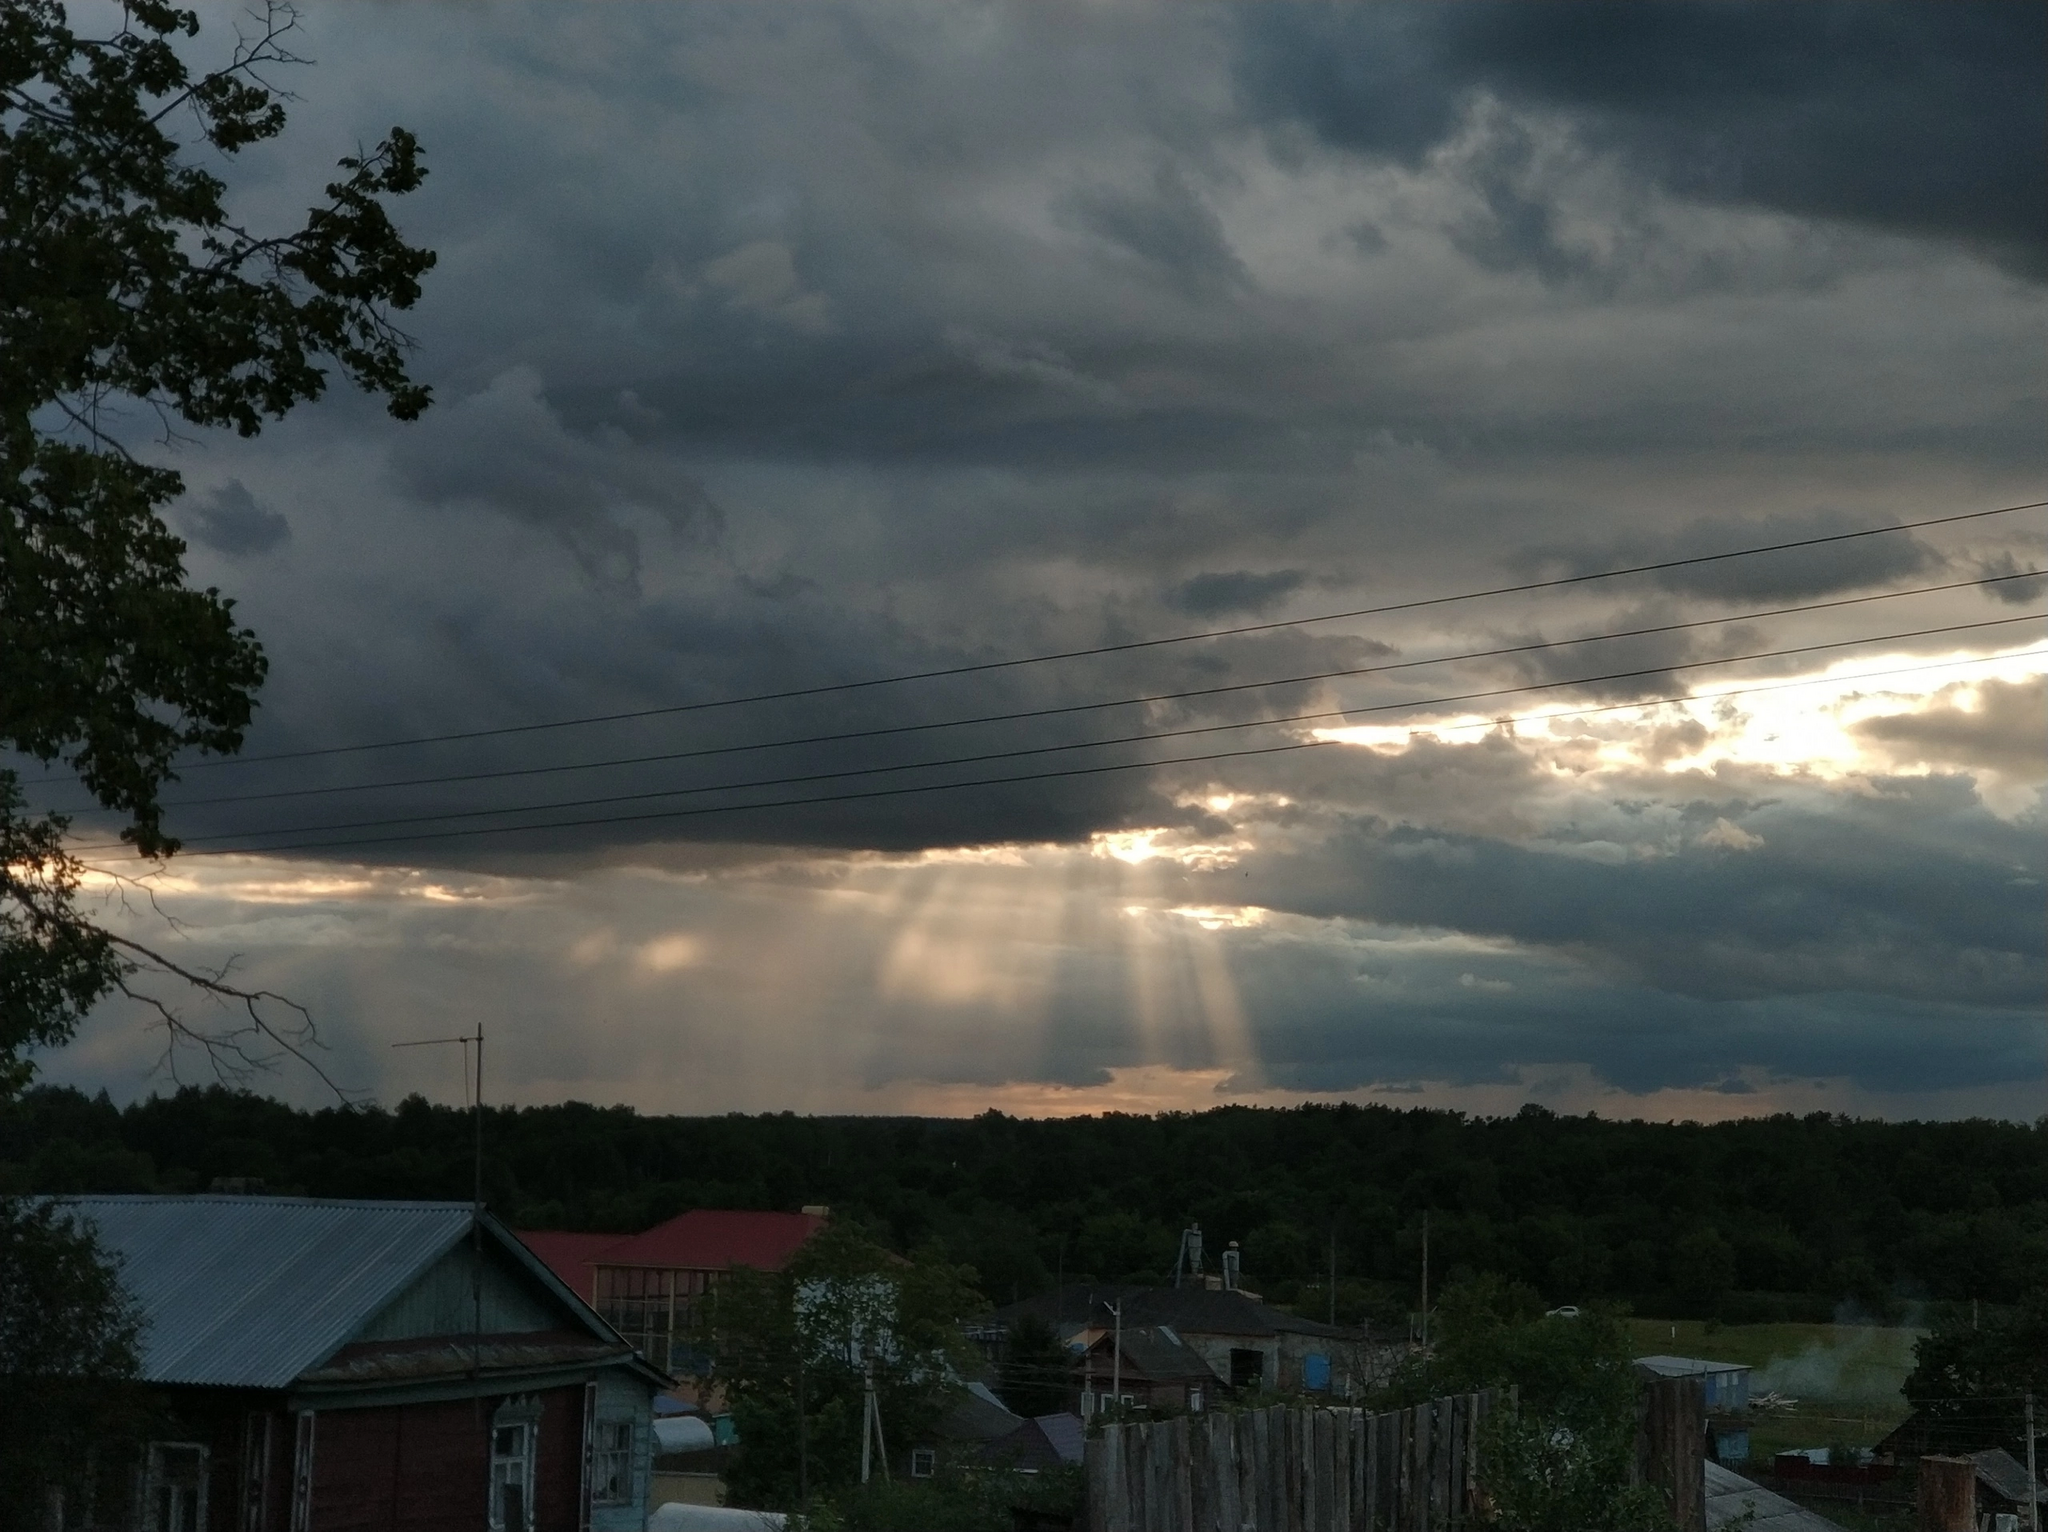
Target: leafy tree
(1560, 1460)
(1970, 1375)
(67, 1342)
(131, 288)
(791, 1347)
(127, 286)
(1036, 1369)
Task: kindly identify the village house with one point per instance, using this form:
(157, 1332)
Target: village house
(1240, 1343)
(651, 1286)
(317, 1365)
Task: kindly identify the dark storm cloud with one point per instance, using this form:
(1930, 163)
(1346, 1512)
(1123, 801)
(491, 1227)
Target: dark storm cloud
(1791, 574)
(1915, 892)
(1927, 120)
(505, 447)
(230, 521)
(1227, 592)
(1321, 1033)
(2014, 588)
(1167, 227)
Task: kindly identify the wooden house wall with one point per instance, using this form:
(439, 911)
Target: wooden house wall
(442, 1301)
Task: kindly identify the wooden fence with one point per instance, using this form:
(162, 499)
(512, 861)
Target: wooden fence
(1290, 1470)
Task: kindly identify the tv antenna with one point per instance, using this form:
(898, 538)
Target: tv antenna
(473, 1087)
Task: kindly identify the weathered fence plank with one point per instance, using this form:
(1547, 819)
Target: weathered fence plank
(1291, 1470)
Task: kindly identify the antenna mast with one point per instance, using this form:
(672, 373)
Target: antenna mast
(473, 1087)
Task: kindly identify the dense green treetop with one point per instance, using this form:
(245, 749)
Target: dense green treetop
(133, 301)
(1795, 1216)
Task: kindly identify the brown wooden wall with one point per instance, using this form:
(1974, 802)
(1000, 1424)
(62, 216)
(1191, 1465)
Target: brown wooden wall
(410, 1468)
(391, 1468)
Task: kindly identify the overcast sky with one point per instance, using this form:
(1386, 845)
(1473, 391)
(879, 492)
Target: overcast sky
(776, 347)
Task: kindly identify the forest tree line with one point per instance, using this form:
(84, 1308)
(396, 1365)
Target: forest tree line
(1764, 1218)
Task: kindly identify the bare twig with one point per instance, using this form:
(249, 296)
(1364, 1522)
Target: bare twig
(254, 1044)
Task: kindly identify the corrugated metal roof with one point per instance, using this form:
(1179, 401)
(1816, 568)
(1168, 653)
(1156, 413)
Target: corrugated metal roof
(1686, 1366)
(1736, 1503)
(251, 1291)
(1999, 1470)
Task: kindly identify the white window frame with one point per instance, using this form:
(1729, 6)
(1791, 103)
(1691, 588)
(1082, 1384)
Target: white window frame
(258, 1429)
(157, 1476)
(302, 1471)
(520, 1416)
(619, 1452)
(924, 1462)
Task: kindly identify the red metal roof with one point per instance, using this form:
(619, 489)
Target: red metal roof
(568, 1254)
(708, 1239)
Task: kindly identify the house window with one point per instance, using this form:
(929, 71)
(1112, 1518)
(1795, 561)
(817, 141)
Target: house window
(174, 1487)
(1247, 1367)
(513, 1429)
(256, 1438)
(924, 1462)
(611, 1463)
(1194, 1401)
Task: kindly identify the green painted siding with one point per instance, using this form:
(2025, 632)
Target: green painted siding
(441, 1302)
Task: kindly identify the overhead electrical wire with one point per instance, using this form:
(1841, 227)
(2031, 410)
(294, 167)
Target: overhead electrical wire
(985, 666)
(1340, 713)
(885, 731)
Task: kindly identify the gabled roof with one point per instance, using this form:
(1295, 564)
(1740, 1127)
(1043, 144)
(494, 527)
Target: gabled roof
(1065, 1432)
(2003, 1474)
(568, 1254)
(1046, 1441)
(1154, 1352)
(1735, 1502)
(709, 1239)
(977, 1415)
(1686, 1366)
(250, 1292)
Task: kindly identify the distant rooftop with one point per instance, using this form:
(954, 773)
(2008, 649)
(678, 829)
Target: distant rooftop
(568, 1254)
(1189, 1310)
(1687, 1366)
(713, 1239)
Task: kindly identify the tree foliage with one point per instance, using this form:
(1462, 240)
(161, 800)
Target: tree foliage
(791, 1348)
(132, 292)
(1560, 1458)
(1821, 1212)
(68, 1340)
(1972, 1371)
(1036, 1369)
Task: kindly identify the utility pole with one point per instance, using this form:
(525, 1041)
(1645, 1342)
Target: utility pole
(803, 1437)
(1333, 1273)
(871, 1421)
(2033, 1480)
(1425, 1281)
(1116, 1355)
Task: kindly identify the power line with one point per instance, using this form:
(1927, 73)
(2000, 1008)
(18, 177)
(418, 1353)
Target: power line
(999, 755)
(849, 735)
(985, 666)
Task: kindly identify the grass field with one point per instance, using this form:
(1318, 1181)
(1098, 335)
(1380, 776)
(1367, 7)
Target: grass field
(1845, 1377)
